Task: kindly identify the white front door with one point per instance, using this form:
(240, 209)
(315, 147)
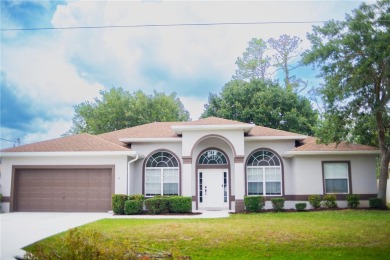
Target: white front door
(213, 189)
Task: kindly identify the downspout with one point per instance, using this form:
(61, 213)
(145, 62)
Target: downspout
(128, 173)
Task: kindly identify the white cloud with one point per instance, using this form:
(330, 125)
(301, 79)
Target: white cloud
(194, 105)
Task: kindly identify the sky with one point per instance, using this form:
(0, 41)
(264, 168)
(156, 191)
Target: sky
(45, 73)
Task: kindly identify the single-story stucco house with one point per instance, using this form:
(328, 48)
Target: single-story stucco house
(215, 161)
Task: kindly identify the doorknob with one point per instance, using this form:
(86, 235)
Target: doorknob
(205, 190)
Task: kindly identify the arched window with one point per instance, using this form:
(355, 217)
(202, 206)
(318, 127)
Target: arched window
(161, 174)
(211, 157)
(264, 173)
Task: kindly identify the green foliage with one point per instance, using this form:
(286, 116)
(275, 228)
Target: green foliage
(254, 62)
(118, 109)
(315, 201)
(300, 206)
(118, 203)
(277, 204)
(137, 197)
(330, 201)
(92, 245)
(375, 203)
(179, 204)
(353, 56)
(254, 203)
(133, 207)
(353, 200)
(157, 205)
(264, 103)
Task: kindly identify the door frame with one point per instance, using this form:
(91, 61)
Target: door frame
(227, 167)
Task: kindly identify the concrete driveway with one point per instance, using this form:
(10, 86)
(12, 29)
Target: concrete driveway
(21, 229)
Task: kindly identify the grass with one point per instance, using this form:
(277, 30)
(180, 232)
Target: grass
(346, 234)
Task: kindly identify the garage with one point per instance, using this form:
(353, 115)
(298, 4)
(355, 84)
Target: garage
(64, 189)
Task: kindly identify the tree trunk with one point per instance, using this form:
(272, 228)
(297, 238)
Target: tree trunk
(383, 176)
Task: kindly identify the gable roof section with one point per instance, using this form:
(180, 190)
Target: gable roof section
(261, 131)
(155, 130)
(213, 121)
(73, 143)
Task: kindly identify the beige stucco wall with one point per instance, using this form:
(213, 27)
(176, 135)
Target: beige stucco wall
(307, 174)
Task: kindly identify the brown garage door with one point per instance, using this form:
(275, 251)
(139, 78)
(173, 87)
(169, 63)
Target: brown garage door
(63, 190)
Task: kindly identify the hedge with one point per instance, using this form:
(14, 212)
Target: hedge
(118, 203)
(179, 204)
(133, 207)
(254, 203)
(157, 205)
(277, 204)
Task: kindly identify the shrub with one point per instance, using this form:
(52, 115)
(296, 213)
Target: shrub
(137, 197)
(300, 206)
(353, 200)
(277, 204)
(118, 203)
(330, 201)
(180, 204)
(254, 203)
(157, 205)
(315, 201)
(133, 207)
(375, 203)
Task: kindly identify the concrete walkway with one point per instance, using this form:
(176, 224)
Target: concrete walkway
(21, 229)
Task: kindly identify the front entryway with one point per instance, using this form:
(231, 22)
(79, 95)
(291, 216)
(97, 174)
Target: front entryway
(213, 189)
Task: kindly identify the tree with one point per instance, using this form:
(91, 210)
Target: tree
(264, 103)
(118, 109)
(254, 62)
(287, 49)
(354, 59)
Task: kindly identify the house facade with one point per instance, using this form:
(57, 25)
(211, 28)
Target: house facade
(215, 161)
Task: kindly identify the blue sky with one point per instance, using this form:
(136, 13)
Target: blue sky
(45, 73)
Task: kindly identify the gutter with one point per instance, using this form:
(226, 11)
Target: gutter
(128, 172)
(311, 153)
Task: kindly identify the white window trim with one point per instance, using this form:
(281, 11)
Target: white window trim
(162, 179)
(264, 181)
(324, 178)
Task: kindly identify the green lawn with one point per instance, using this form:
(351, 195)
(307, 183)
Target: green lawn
(344, 234)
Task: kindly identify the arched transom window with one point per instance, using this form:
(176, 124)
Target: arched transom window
(161, 174)
(211, 157)
(264, 173)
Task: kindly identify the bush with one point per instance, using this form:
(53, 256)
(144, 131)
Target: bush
(300, 206)
(137, 197)
(353, 200)
(133, 207)
(375, 203)
(330, 201)
(180, 204)
(118, 203)
(254, 203)
(315, 201)
(157, 205)
(277, 204)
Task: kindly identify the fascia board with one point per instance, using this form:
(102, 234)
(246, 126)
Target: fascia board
(180, 128)
(310, 153)
(69, 154)
(260, 138)
(150, 140)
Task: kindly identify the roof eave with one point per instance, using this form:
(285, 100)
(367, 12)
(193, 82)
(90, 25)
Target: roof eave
(260, 138)
(150, 140)
(71, 153)
(311, 153)
(178, 129)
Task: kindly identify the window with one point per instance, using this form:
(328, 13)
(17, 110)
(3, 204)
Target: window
(161, 175)
(336, 177)
(264, 174)
(212, 157)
